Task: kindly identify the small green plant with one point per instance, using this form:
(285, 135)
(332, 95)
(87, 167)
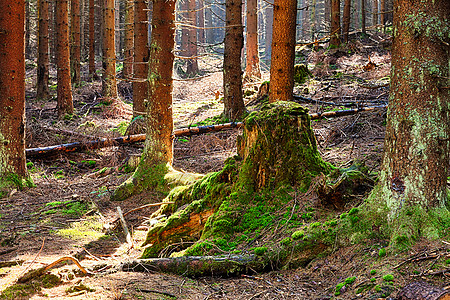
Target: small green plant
(377, 288)
(373, 279)
(382, 252)
(260, 250)
(30, 164)
(298, 235)
(350, 280)
(286, 241)
(373, 272)
(388, 277)
(121, 127)
(337, 291)
(447, 261)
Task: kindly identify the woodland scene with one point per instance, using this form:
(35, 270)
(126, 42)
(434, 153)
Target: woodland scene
(258, 149)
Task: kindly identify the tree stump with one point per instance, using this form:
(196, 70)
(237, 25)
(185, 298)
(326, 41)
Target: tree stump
(422, 291)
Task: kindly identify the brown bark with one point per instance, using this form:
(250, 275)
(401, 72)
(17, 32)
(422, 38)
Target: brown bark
(269, 31)
(209, 35)
(75, 45)
(129, 39)
(28, 50)
(422, 291)
(413, 180)
(374, 12)
(109, 83)
(232, 73)
(42, 91)
(92, 73)
(283, 51)
(12, 88)
(201, 22)
(141, 52)
(335, 40)
(363, 16)
(346, 19)
(53, 37)
(252, 69)
(64, 90)
(159, 143)
(382, 13)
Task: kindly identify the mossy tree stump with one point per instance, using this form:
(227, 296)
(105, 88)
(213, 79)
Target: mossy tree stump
(277, 155)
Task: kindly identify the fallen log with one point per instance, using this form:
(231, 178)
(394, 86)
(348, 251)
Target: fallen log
(122, 140)
(422, 291)
(197, 266)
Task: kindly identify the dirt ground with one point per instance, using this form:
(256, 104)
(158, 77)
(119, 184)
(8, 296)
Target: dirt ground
(69, 213)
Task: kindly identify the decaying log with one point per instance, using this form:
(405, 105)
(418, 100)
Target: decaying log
(122, 140)
(422, 291)
(196, 266)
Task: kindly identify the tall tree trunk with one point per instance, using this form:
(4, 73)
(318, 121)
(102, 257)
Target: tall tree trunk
(346, 19)
(53, 37)
(269, 31)
(141, 52)
(64, 90)
(43, 55)
(109, 83)
(313, 20)
(129, 39)
(201, 22)
(12, 89)
(327, 12)
(382, 14)
(412, 187)
(209, 35)
(28, 50)
(363, 16)
(92, 73)
(283, 47)
(375, 13)
(335, 39)
(252, 69)
(306, 20)
(192, 64)
(232, 73)
(75, 46)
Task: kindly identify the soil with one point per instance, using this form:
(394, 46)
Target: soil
(69, 212)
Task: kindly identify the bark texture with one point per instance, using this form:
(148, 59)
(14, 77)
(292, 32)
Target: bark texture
(75, 46)
(141, 52)
(346, 20)
(42, 91)
(109, 83)
(252, 69)
(12, 89)
(64, 90)
(129, 39)
(232, 73)
(413, 180)
(335, 40)
(192, 64)
(92, 39)
(283, 51)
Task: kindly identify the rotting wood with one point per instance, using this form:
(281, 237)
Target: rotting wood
(195, 266)
(122, 140)
(124, 226)
(422, 291)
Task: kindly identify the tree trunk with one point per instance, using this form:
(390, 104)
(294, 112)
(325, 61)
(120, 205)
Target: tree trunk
(283, 51)
(201, 22)
(28, 50)
(159, 143)
(422, 291)
(64, 90)
(313, 20)
(12, 90)
(252, 69)
(363, 16)
(75, 46)
(327, 12)
(192, 64)
(413, 182)
(346, 19)
(129, 39)
(42, 91)
(382, 14)
(232, 73)
(269, 31)
(92, 73)
(109, 83)
(375, 13)
(141, 52)
(335, 39)
(306, 22)
(209, 35)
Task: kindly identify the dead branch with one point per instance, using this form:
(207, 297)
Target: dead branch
(195, 266)
(124, 226)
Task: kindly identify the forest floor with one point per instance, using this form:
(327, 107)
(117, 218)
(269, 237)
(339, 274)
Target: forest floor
(69, 212)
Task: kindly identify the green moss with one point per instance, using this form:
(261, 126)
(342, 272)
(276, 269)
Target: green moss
(337, 290)
(301, 73)
(260, 250)
(350, 280)
(388, 277)
(373, 279)
(373, 272)
(382, 252)
(297, 235)
(377, 288)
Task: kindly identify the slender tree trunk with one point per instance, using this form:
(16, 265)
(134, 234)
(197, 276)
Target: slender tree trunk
(335, 40)
(192, 64)
(363, 16)
(201, 22)
(28, 50)
(109, 83)
(252, 69)
(313, 20)
(92, 73)
(43, 55)
(129, 39)
(412, 187)
(64, 90)
(327, 13)
(307, 20)
(283, 47)
(12, 89)
(75, 46)
(209, 23)
(159, 142)
(375, 13)
(382, 14)
(53, 36)
(141, 52)
(232, 73)
(346, 19)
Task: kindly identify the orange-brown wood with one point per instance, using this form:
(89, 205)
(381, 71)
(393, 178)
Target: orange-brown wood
(42, 90)
(109, 83)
